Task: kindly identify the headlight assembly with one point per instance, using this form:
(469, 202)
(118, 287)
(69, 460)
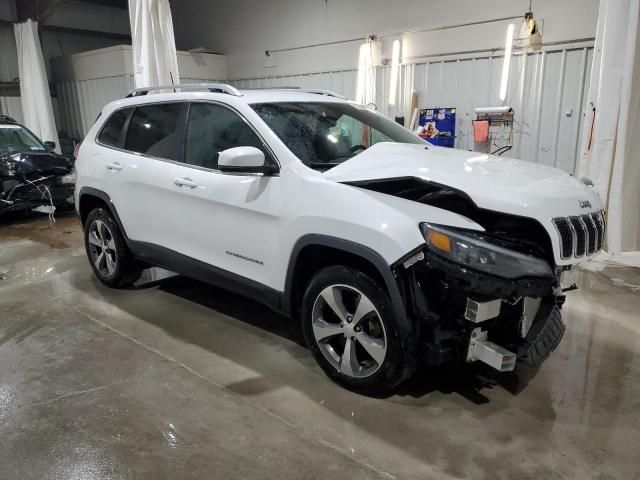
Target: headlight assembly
(478, 254)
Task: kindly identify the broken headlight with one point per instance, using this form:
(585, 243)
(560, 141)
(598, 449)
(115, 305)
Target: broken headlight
(479, 254)
(7, 168)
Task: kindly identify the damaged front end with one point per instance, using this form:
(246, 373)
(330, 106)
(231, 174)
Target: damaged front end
(492, 296)
(476, 297)
(31, 180)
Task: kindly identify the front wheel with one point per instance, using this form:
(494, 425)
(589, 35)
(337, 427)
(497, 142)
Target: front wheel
(350, 327)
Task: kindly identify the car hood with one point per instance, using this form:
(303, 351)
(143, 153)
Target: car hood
(45, 163)
(495, 183)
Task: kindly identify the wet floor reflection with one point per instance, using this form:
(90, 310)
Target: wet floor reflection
(577, 417)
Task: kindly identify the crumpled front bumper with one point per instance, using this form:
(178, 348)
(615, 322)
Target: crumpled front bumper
(543, 337)
(520, 318)
(18, 194)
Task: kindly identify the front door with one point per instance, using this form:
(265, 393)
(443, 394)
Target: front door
(228, 221)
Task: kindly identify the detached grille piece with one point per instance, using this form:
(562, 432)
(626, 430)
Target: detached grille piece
(580, 235)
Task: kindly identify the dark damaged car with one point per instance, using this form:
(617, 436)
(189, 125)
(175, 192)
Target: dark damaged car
(31, 173)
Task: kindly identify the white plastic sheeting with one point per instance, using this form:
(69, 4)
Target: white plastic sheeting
(37, 109)
(154, 49)
(610, 148)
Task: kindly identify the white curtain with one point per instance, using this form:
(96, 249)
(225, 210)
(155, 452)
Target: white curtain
(37, 110)
(154, 48)
(611, 143)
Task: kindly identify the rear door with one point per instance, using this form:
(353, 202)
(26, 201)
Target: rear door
(146, 198)
(230, 221)
(106, 165)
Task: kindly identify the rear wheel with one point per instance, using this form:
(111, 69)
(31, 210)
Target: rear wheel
(107, 251)
(351, 329)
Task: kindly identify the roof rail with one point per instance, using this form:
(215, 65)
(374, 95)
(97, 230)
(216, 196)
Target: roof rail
(317, 91)
(321, 91)
(212, 87)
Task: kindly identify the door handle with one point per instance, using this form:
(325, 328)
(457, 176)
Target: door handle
(185, 182)
(114, 167)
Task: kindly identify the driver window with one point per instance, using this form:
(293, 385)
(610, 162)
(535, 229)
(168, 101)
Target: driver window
(212, 129)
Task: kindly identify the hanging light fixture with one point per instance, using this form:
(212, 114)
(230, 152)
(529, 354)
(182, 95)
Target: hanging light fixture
(395, 64)
(507, 62)
(367, 62)
(362, 73)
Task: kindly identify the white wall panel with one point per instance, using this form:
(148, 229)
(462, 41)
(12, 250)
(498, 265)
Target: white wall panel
(288, 24)
(546, 90)
(80, 102)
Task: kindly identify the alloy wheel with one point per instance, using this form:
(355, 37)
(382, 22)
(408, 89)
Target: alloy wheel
(102, 248)
(349, 331)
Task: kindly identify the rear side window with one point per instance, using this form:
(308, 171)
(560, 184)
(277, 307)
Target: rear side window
(212, 129)
(112, 130)
(156, 130)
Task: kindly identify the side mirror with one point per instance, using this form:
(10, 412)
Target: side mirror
(51, 146)
(244, 160)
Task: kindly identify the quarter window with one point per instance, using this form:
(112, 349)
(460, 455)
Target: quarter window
(212, 129)
(155, 130)
(112, 130)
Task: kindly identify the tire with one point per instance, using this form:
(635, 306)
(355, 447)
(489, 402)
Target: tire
(108, 255)
(372, 371)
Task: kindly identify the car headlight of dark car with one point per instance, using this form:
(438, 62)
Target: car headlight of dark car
(7, 168)
(480, 254)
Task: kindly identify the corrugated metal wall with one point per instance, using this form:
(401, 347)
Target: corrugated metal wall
(80, 102)
(546, 89)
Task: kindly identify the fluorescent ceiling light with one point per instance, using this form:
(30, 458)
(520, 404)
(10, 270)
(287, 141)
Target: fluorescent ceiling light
(395, 63)
(507, 62)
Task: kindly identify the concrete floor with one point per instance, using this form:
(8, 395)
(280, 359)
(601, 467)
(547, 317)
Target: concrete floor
(180, 380)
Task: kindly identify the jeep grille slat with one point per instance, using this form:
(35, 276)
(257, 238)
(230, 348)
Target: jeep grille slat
(566, 236)
(580, 235)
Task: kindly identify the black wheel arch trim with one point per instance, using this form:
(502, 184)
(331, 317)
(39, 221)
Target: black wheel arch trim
(94, 192)
(357, 249)
(407, 328)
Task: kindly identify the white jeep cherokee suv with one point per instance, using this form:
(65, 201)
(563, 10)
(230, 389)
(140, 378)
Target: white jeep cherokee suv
(389, 250)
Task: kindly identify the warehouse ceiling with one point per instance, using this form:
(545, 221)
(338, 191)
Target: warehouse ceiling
(111, 3)
(40, 10)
